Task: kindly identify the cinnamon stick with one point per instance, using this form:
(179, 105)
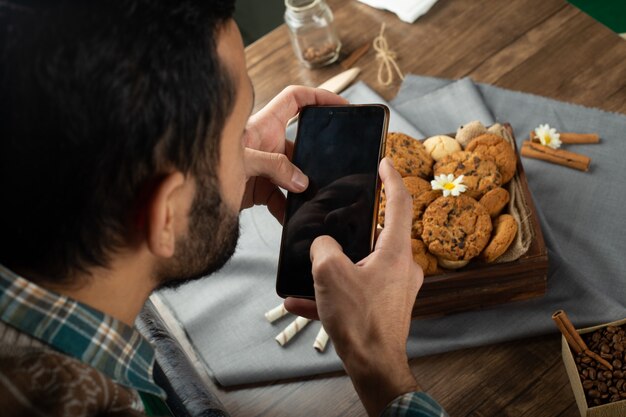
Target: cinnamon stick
(567, 329)
(573, 338)
(570, 137)
(555, 156)
(355, 56)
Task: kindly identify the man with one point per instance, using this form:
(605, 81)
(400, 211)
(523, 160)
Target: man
(126, 152)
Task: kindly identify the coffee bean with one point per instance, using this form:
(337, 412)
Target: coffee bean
(600, 384)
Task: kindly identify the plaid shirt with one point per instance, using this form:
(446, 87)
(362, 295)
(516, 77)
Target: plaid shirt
(414, 404)
(77, 330)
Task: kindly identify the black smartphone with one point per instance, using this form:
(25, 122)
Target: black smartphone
(339, 149)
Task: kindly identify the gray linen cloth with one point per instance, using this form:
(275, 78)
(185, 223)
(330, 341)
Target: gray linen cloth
(582, 216)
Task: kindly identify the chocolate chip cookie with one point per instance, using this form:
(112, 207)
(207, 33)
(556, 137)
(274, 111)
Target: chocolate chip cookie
(495, 200)
(500, 150)
(505, 229)
(423, 258)
(456, 228)
(480, 172)
(420, 203)
(409, 156)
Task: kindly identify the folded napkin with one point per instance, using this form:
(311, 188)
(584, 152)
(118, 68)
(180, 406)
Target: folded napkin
(407, 10)
(581, 214)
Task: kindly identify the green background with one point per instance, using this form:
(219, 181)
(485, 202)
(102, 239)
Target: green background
(611, 13)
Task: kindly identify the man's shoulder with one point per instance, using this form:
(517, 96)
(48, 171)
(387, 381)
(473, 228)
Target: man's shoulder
(37, 380)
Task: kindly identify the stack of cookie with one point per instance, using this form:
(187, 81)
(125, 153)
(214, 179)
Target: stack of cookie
(449, 231)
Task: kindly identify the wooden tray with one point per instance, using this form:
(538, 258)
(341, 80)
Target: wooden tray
(479, 284)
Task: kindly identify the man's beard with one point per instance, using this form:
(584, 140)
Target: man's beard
(210, 242)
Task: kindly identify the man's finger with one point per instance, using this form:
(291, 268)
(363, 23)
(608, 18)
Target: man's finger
(289, 102)
(299, 96)
(327, 259)
(261, 191)
(276, 167)
(302, 307)
(398, 210)
(266, 128)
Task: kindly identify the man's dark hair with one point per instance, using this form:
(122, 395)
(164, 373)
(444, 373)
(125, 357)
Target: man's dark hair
(98, 100)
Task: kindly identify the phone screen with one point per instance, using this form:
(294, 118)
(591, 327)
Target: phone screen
(339, 149)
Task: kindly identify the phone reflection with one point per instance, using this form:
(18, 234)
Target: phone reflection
(343, 210)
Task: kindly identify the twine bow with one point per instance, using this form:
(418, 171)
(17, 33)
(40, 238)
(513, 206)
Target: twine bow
(387, 59)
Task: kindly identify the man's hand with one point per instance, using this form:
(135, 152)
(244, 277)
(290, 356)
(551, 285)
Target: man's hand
(268, 153)
(366, 307)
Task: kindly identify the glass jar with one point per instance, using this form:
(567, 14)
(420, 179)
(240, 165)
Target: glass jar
(313, 36)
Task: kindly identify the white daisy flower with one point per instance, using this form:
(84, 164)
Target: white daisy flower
(548, 136)
(448, 184)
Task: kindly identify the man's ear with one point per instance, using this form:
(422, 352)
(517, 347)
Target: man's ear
(163, 213)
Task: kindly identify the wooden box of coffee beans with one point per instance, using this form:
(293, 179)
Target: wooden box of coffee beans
(598, 390)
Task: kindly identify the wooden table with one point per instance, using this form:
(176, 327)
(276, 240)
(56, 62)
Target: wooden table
(545, 47)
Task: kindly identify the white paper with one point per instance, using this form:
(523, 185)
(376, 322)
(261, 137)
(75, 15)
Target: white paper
(407, 10)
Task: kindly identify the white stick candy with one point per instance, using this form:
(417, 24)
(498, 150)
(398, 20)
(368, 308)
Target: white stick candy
(290, 331)
(320, 340)
(276, 313)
